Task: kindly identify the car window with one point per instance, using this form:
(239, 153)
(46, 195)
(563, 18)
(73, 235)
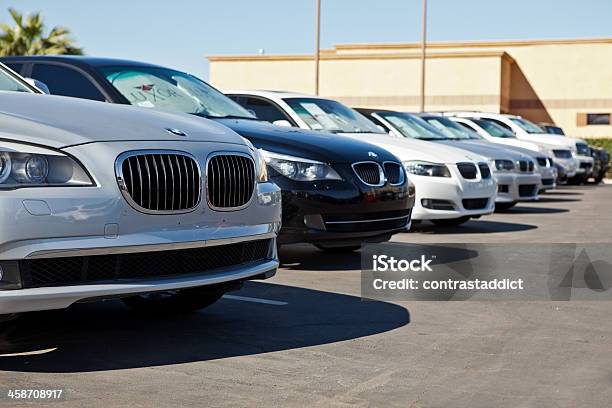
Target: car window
(15, 66)
(412, 126)
(264, 110)
(449, 128)
(527, 126)
(161, 88)
(12, 83)
(495, 128)
(66, 81)
(330, 116)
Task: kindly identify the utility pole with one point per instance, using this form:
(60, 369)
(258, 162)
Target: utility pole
(317, 44)
(423, 55)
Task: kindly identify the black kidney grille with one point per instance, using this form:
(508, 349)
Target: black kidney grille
(485, 171)
(467, 170)
(525, 166)
(531, 166)
(369, 173)
(394, 173)
(542, 161)
(162, 181)
(230, 180)
(105, 268)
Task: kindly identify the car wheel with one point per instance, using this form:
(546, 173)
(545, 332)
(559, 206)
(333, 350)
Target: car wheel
(339, 249)
(175, 301)
(504, 206)
(452, 222)
(576, 180)
(599, 179)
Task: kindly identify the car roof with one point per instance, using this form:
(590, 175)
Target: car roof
(79, 60)
(272, 94)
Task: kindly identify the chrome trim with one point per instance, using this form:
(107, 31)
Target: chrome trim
(132, 249)
(123, 187)
(381, 173)
(402, 173)
(365, 221)
(231, 153)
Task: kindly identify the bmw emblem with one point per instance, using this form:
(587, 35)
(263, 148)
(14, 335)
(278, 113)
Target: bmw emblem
(372, 154)
(176, 132)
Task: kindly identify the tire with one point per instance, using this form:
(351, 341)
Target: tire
(340, 249)
(576, 180)
(452, 222)
(599, 179)
(504, 206)
(179, 301)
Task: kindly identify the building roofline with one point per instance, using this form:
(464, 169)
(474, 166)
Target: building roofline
(365, 56)
(474, 44)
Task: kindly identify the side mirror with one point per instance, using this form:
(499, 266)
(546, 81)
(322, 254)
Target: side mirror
(38, 84)
(282, 122)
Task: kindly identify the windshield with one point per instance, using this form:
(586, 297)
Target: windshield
(11, 83)
(330, 116)
(494, 129)
(450, 129)
(412, 126)
(526, 125)
(175, 91)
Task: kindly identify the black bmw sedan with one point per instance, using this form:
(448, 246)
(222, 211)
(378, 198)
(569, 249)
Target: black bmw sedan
(337, 192)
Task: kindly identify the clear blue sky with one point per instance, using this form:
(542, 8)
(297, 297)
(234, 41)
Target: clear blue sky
(180, 33)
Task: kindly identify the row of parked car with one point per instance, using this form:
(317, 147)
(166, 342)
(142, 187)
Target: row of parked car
(175, 200)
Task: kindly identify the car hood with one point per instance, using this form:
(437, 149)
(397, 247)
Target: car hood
(547, 139)
(413, 149)
(58, 122)
(485, 149)
(514, 142)
(309, 144)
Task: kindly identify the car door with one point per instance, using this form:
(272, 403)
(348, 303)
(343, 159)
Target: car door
(65, 80)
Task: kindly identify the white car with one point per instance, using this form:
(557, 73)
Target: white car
(494, 133)
(452, 185)
(100, 201)
(515, 174)
(561, 150)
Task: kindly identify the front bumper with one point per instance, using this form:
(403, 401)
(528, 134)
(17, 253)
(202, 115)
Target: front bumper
(69, 223)
(549, 177)
(342, 212)
(585, 165)
(513, 187)
(447, 197)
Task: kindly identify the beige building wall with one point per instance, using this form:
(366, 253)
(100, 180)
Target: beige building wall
(554, 81)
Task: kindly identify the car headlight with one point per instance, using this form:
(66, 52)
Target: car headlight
(300, 169)
(421, 168)
(30, 166)
(504, 165)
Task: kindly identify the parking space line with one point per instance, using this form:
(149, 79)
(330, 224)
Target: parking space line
(255, 300)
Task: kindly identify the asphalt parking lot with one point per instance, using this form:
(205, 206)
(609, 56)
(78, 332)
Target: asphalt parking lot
(306, 338)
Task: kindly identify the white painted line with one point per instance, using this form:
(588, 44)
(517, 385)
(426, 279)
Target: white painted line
(255, 300)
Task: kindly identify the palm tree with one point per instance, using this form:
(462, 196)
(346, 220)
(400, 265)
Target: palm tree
(27, 37)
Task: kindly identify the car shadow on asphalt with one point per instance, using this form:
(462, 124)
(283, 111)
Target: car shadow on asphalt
(472, 227)
(521, 209)
(308, 258)
(107, 336)
(548, 199)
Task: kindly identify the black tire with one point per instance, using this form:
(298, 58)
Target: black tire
(599, 179)
(339, 249)
(576, 180)
(504, 206)
(452, 222)
(171, 302)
